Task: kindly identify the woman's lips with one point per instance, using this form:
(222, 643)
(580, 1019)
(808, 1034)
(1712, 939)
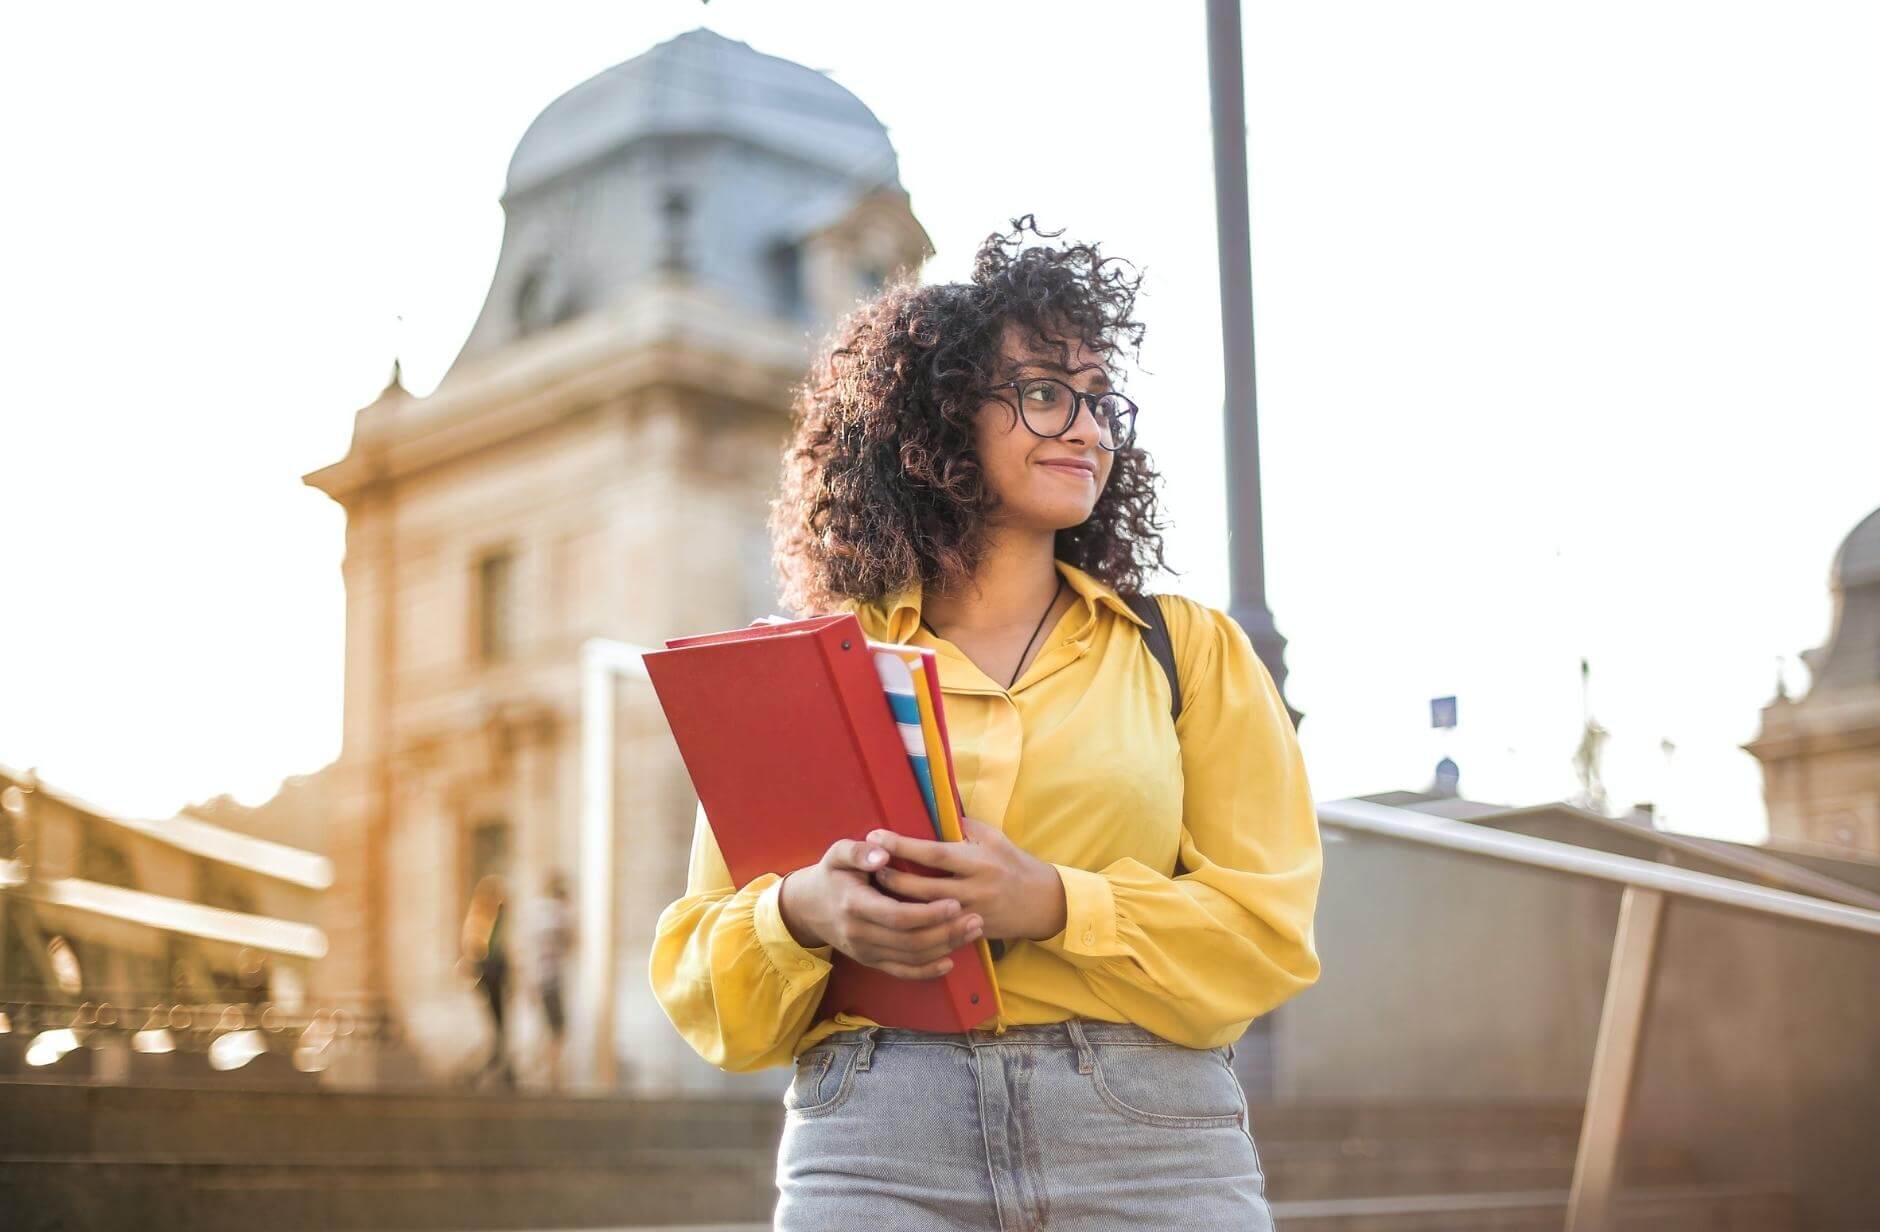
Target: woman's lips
(1070, 468)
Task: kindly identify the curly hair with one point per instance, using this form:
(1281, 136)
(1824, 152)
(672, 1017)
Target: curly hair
(882, 486)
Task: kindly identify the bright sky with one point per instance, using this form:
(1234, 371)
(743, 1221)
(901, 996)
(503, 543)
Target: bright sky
(1565, 322)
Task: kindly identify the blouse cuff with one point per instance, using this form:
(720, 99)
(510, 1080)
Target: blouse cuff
(1089, 915)
(798, 965)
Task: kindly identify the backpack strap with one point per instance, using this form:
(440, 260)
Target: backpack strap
(1163, 648)
(1160, 645)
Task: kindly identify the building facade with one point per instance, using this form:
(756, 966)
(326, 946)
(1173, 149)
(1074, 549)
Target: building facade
(111, 923)
(1821, 753)
(597, 463)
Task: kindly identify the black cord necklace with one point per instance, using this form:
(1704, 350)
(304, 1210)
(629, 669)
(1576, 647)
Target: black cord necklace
(1028, 641)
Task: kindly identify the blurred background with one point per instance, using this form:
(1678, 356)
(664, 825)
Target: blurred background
(379, 378)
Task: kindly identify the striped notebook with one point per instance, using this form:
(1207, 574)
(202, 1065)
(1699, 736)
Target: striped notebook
(910, 677)
(896, 665)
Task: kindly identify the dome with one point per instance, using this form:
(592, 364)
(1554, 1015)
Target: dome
(1850, 660)
(1858, 561)
(703, 84)
(700, 163)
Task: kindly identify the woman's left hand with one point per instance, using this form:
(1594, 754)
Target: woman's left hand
(1019, 896)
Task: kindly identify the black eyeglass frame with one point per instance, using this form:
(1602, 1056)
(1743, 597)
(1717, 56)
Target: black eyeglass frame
(1078, 398)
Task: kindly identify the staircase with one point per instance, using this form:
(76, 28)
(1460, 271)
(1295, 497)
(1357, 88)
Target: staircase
(80, 1158)
(76, 1158)
(1430, 1167)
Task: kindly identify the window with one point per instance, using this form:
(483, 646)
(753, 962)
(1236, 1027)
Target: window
(219, 885)
(103, 861)
(542, 298)
(486, 854)
(786, 281)
(495, 607)
(676, 213)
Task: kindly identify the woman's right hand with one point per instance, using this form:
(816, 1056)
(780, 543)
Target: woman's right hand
(835, 902)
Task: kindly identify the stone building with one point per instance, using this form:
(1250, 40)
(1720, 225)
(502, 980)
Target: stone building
(597, 462)
(127, 917)
(1821, 752)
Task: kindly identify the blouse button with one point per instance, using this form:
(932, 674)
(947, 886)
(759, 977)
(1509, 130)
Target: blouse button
(1089, 936)
(805, 963)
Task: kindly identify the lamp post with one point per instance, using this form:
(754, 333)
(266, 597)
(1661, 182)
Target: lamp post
(1240, 417)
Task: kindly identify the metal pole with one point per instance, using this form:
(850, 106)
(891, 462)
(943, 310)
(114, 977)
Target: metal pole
(1240, 417)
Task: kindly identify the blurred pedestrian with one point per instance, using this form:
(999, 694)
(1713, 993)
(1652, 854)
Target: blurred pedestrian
(485, 950)
(553, 940)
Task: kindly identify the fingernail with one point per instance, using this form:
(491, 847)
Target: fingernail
(973, 935)
(876, 857)
(946, 965)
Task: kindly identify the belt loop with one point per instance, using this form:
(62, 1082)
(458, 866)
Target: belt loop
(868, 1048)
(1086, 1058)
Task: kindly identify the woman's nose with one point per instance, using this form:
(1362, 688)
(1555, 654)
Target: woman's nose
(1084, 425)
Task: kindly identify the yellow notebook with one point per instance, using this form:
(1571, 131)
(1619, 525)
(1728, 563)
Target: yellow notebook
(940, 763)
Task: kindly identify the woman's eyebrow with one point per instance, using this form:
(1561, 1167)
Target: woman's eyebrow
(1049, 365)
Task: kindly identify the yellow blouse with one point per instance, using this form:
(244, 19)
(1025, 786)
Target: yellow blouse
(1079, 765)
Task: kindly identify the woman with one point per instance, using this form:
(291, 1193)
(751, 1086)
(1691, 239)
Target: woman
(554, 942)
(957, 479)
(486, 952)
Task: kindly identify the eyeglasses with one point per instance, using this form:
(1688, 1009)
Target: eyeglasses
(1049, 407)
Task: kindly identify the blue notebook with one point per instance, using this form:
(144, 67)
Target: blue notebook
(897, 681)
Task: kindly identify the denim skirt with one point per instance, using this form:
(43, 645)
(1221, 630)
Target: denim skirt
(1079, 1126)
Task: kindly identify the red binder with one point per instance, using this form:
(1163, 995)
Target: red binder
(791, 745)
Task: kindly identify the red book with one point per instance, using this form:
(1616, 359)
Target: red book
(791, 745)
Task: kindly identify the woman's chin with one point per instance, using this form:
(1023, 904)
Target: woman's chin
(1063, 517)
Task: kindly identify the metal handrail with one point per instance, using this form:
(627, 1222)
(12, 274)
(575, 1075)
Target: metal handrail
(32, 1013)
(1384, 821)
(1648, 890)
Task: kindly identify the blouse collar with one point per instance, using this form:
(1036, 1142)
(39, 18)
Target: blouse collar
(900, 612)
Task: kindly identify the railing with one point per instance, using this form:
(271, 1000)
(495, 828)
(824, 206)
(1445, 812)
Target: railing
(1647, 886)
(232, 1033)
